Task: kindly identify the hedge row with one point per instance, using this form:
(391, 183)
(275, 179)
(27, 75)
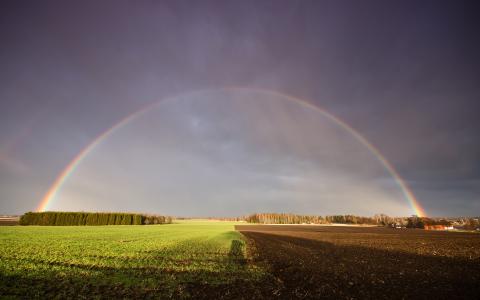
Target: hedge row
(86, 218)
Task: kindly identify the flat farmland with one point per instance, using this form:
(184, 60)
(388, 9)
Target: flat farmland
(226, 260)
(193, 259)
(366, 262)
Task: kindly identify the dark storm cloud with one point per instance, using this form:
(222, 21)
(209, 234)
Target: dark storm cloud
(404, 74)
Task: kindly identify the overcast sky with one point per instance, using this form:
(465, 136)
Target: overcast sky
(403, 74)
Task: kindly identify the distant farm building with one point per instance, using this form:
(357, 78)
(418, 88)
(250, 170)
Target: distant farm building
(438, 227)
(9, 220)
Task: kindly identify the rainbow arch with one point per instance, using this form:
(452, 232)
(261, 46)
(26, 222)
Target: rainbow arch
(70, 168)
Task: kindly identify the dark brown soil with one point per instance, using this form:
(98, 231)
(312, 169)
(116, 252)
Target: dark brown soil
(366, 262)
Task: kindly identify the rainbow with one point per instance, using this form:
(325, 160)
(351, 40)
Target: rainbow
(70, 168)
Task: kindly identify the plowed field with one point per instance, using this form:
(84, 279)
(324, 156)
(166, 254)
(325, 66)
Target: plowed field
(363, 262)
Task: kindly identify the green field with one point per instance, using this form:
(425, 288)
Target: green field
(174, 260)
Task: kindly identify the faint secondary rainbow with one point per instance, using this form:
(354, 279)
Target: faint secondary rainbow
(70, 168)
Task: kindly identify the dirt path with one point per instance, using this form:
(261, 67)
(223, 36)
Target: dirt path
(366, 263)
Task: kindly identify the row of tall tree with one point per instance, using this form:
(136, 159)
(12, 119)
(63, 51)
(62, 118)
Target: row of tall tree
(91, 219)
(283, 218)
(156, 219)
(418, 222)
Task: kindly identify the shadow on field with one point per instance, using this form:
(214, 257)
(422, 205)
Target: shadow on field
(237, 252)
(308, 268)
(104, 284)
(167, 286)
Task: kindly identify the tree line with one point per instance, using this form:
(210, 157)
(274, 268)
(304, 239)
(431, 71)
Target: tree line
(378, 220)
(418, 222)
(90, 219)
(287, 218)
(283, 218)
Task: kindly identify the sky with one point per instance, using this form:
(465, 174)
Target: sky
(404, 75)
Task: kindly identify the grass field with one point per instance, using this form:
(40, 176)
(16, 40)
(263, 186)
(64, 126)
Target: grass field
(175, 260)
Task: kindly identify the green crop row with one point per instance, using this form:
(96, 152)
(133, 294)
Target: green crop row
(86, 218)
